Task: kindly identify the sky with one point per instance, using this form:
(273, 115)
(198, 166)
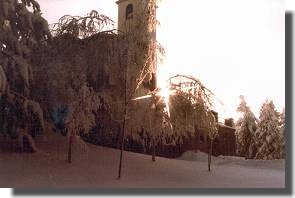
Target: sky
(235, 47)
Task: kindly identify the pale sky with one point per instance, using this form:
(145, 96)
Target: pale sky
(235, 47)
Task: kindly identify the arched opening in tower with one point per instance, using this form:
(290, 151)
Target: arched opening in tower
(129, 11)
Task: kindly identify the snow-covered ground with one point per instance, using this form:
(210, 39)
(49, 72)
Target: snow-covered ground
(97, 167)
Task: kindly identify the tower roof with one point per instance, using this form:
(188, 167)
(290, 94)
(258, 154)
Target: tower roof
(120, 1)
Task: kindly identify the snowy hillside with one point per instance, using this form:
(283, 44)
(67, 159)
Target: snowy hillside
(95, 166)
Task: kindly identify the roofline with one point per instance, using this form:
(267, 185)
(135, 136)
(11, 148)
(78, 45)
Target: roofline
(120, 1)
(223, 125)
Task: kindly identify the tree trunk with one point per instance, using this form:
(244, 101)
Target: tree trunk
(119, 134)
(70, 149)
(153, 151)
(122, 149)
(197, 139)
(123, 127)
(209, 155)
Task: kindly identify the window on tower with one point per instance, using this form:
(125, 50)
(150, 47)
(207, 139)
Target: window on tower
(129, 11)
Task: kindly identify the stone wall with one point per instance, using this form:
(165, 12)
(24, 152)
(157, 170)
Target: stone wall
(224, 144)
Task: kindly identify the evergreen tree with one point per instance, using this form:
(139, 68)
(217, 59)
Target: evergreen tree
(245, 133)
(22, 30)
(268, 133)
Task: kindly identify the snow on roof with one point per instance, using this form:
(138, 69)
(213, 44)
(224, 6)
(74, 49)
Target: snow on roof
(225, 126)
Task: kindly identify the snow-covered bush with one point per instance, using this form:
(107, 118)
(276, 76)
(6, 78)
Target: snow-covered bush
(59, 114)
(88, 103)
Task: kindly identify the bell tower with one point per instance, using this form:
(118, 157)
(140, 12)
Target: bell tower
(137, 18)
(132, 12)
(128, 13)
(126, 9)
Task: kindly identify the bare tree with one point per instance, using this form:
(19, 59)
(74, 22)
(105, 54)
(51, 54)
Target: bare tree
(83, 108)
(83, 26)
(191, 106)
(211, 127)
(81, 117)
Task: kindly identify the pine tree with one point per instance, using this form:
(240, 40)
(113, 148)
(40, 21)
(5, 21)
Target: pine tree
(268, 133)
(22, 30)
(245, 133)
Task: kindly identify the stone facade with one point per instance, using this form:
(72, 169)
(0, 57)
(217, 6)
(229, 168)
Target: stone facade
(224, 144)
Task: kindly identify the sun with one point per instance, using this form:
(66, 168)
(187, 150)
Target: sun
(164, 87)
